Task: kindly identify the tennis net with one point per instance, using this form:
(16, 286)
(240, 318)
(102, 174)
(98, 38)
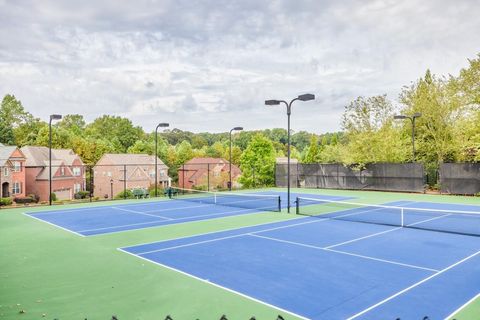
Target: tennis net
(450, 221)
(260, 202)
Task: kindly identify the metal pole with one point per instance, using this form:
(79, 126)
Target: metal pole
(288, 156)
(156, 169)
(124, 181)
(230, 163)
(50, 161)
(413, 137)
(208, 176)
(90, 169)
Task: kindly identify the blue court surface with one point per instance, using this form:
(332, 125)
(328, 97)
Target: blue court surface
(144, 214)
(324, 268)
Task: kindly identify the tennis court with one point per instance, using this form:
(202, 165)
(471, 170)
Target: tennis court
(351, 261)
(190, 206)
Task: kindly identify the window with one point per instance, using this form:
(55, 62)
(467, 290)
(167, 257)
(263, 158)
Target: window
(5, 172)
(17, 166)
(17, 188)
(152, 174)
(162, 173)
(77, 187)
(109, 173)
(77, 171)
(62, 171)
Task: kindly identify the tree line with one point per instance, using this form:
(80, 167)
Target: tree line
(447, 131)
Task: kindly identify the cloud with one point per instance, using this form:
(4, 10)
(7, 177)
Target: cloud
(206, 67)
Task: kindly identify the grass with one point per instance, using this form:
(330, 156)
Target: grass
(47, 271)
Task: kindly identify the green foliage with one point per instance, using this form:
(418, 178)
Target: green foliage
(312, 153)
(126, 194)
(53, 196)
(5, 201)
(81, 195)
(258, 162)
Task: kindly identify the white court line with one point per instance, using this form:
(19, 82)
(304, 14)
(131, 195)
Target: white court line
(177, 208)
(413, 286)
(217, 285)
(311, 220)
(52, 224)
(345, 253)
(140, 212)
(361, 238)
(462, 307)
(179, 219)
(222, 238)
(423, 221)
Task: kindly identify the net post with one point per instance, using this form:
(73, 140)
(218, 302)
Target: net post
(215, 197)
(297, 205)
(279, 204)
(402, 221)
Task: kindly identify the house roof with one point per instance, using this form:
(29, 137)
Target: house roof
(6, 153)
(38, 156)
(131, 159)
(205, 160)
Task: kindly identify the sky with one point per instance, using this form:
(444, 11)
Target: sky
(208, 66)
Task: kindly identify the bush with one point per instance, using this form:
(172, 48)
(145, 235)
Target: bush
(81, 195)
(5, 201)
(34, 197)
(53, 196)
(24, 200)
(127, 194)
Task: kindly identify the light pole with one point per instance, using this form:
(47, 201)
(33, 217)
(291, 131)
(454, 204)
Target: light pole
(111, 189)
(412, 119)
(162, 125)
(52, 117)
(230, 169)
(302, 97)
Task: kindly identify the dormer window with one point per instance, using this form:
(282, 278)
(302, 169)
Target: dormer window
(62, 171)
(17, 166)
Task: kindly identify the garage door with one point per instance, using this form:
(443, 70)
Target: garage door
(63, 194)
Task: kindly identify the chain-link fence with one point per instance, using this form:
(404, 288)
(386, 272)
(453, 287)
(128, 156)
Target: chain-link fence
(77, 183)
(208, 176)
(407, 177)
(460, 178)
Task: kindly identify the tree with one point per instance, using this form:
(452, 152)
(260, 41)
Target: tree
(300, 139)
(312, 153)
(12, 115)
(73, 123)
(120, 131)
(440, 112)
(259, 159)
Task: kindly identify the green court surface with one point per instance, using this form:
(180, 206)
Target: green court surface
(47, 271)
(469, 311)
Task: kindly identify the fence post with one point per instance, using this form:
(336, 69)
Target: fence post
(90, 170)
(253, 177)
(183, 176)
(124, 181)
(208, 176)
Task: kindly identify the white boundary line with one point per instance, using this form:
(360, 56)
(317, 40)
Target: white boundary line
(345, 253)
(177, 208)
(222, 238)
(52, 224)
(140, 212)
(462, 307)
(173, 220)
(413, 286)
(361, 238)
(216, 285)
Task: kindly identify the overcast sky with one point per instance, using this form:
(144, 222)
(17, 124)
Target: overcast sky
(209, 65)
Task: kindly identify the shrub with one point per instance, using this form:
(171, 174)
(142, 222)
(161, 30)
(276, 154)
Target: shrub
(24, 200)
(5, 201)
(34, 197)
(53, 196)
(81, 195)
(127, 194)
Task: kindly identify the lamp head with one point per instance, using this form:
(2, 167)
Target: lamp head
(417, 115)
(238, 128)
(399, 117)
(55, 117)
(306, 97)
(272, 102)
(163, 125)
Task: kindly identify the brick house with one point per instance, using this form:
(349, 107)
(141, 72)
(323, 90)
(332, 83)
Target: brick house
(12, 172)
(199, 172)
(68, 172)
(133, 171)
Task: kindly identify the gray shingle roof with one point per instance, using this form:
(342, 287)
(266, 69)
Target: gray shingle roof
(5, 153)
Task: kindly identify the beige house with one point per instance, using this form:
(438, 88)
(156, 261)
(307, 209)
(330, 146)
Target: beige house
(114, 172)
